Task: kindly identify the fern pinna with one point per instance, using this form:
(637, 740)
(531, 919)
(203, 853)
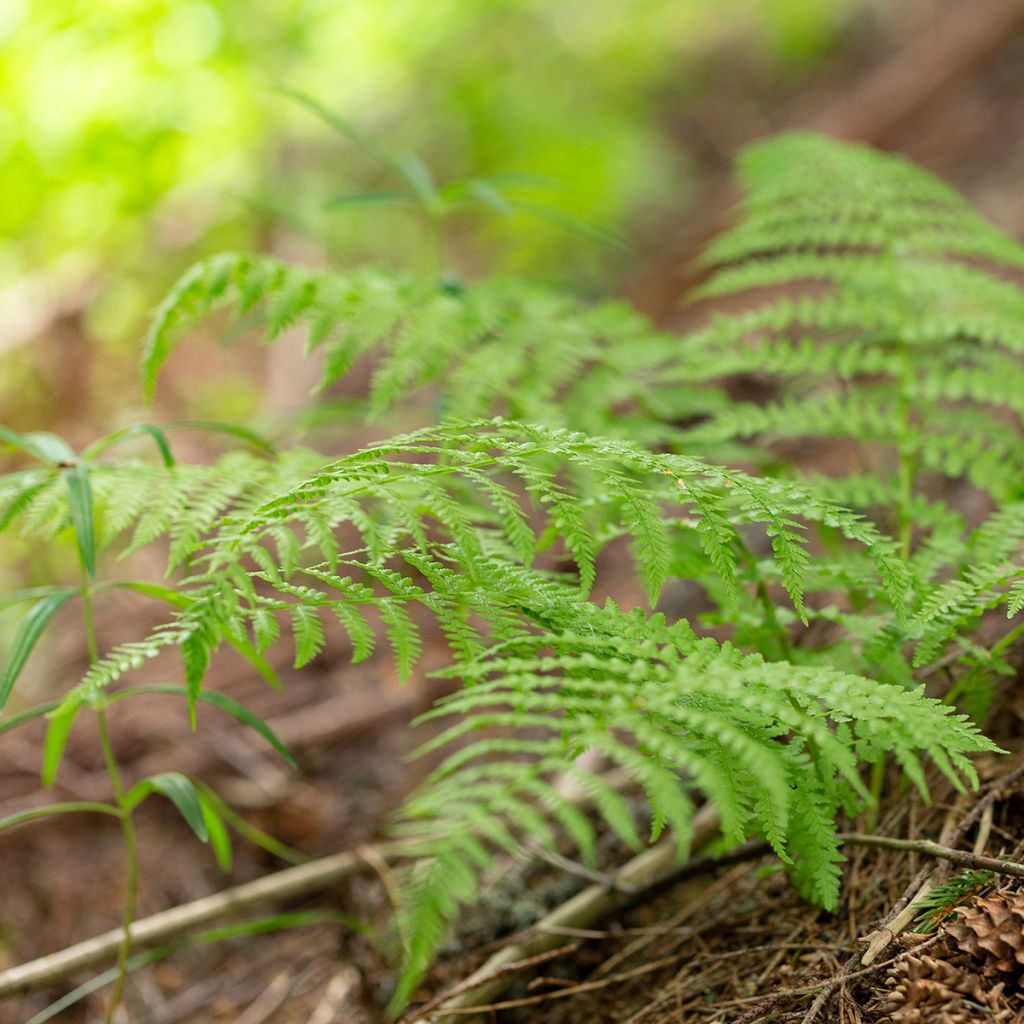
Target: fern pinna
(586, 428)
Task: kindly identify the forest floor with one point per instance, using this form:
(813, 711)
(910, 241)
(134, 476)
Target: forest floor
(731, 941)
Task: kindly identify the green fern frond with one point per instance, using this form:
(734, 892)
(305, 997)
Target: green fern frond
(776, 747)
(881, 303)
(882, 317)
(495, 347)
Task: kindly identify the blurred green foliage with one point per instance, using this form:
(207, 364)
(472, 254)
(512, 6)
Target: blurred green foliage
(137, 134)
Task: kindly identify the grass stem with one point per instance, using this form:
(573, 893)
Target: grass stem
(131, 849)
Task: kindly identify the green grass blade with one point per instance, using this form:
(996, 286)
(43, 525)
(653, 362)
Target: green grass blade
(258, 662)
(237, 710)
(32, 594)
(415, 171)
(159, 439)
(220, 839)
(379, 198)
(341, 125)
(246, 434)
(78, 807)
(181, 791)
(80, 498)
(248, 831)
(40, 445)
(28, 716)
(567, 222)
(61, 721)
(159, 593)
(29, 632)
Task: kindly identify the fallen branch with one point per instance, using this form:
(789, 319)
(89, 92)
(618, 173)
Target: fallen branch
(647, 870)
(930, 849)
(286, 884)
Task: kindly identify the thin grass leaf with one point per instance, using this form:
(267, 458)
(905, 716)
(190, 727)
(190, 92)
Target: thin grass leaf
(180, 790)
(370, 199)
(225, 703)
(31, 629)
(43, 446)
(77, 807)
(220, 840)
(246, 434)
(341, 125)
(154, 590)
(248, 831)
(80, 503)
(32, 594)
(148, 429)
(415, 171)
(567, 222)
(28, 716)
(57, 733)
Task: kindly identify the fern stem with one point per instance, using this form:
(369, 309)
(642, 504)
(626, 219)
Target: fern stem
(908, 467)
(131, 849)
(964, 683)
(90, 621)
(767, 605)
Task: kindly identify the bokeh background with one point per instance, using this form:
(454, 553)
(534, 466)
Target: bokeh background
(137, 135)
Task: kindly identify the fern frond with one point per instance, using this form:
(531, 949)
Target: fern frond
(899, 327)
(439, 519)
(497, 347)
(776, 747)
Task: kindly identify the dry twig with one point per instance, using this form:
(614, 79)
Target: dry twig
(645, 871)
(287, 884)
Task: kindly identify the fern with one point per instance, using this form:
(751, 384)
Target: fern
(882, 315)
(455, 518)
(498, 347)
(903, 334)
(776, 747)
(877, 307)
(902, 309)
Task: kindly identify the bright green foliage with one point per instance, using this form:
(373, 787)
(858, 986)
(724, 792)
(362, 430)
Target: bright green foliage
(117, 117)
(495, 347)
(439, 518)
(883, 304)
(885, 313)
(569, 430)
(774, 746)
